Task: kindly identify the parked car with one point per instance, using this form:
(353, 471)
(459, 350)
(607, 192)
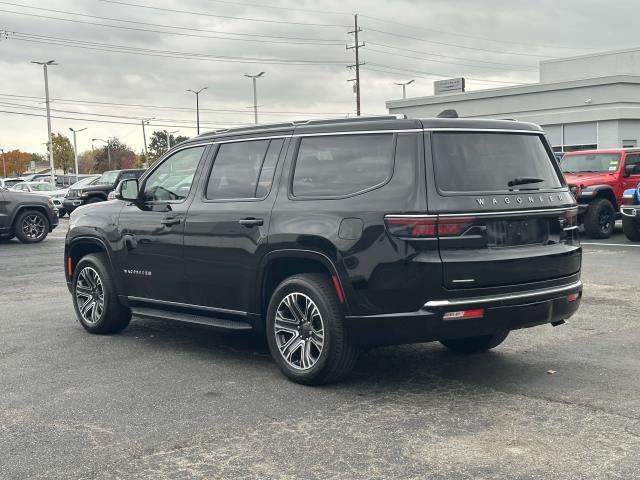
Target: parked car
(36, 177)
(85, 181)
(328, 236)
(630, 211)
(598, 178)
(26, 216)
(9, 182)
(98, 190)
(44, 188)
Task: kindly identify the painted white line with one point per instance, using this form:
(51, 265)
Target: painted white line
(610, 244)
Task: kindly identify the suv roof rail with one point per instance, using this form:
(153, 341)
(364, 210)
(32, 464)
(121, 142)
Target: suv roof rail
(314, 121)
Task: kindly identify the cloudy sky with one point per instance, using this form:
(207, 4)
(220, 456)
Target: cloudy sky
(125, 60)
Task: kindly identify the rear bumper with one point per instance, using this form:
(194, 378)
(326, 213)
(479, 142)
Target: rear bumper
(501, 312)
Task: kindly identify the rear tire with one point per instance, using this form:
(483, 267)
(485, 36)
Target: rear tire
(31, 226)
(475, 344)
(599, 219)
(309, 340)
(95, 299)
(631, 228)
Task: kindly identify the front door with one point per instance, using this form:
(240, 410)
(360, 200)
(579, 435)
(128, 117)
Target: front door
(151, 256)
(227, 225)
(634, 178)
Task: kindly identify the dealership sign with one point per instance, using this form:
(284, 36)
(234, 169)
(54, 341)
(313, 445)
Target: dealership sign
(451, 85)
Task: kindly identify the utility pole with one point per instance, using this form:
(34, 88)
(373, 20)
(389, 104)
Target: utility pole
(255, 95)
(356, 48)
(4, 165)
(197, 106)
(144, 137)
(46, 92)
(108, 149)
(168, 134)
(404, 87)
(75, 148)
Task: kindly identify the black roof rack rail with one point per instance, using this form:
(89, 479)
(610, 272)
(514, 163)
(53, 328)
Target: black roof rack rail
(294, 123)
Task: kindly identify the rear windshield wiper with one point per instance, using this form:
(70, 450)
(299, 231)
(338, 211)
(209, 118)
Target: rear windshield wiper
(524, 181)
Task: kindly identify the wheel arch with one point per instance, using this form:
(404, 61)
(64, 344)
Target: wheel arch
(601, 191)
(280, 264)
(81, 247)
(29, 206)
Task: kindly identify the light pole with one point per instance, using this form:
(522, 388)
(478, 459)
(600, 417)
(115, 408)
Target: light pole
(4, 166)
(75, 148)
(197, 105)
(168, 134)
(145, 121)
(255, 95)
(404, 87)
(46, 91)
(108, 149)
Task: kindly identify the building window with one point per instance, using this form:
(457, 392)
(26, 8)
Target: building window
(629, 143)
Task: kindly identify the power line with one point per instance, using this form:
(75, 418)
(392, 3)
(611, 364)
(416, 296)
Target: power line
(295, 9)
(303, 40)
(50, 40)
(475, 37)
(431, 76)
(450, 56)
(501, 52)
(444, 61)
(163, 107)
(205, 14)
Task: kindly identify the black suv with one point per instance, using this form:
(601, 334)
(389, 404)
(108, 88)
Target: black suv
(28, 216)
(327, 236)
(99, 190)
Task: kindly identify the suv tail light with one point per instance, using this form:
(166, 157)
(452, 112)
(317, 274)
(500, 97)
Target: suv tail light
(427, 226)
(569, 219)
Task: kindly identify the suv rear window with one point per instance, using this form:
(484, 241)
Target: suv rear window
(487, 162)
(340, 165)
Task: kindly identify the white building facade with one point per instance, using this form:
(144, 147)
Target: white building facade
(585, 102)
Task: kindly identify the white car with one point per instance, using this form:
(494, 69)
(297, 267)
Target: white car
(43, 188)
(9, 182)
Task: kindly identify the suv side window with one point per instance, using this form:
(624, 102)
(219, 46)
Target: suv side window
(633, 159)
(172, 180)
(243, 170)
(342, 165)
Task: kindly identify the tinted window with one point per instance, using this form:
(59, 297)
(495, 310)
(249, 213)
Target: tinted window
(341, 165)
(173, 178)
(487, 162)
(633, 159)
(243, 169)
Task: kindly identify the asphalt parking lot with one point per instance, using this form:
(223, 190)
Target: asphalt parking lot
(172, 401)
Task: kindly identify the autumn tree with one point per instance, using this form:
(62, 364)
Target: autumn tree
(62, 153)
(120, 153)
(86, 161)
(15, 162)
(158, 144)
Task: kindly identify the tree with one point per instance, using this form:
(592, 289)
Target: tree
(158, 144)
(62, 153)
(121, 156)
(86, 161)
(15, 162)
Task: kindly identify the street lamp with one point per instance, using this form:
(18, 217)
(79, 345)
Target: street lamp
(108, 149)
(46, 91)
(197, 105)
(404, 87)
(168, 134)
(255, 94)
(75, 148)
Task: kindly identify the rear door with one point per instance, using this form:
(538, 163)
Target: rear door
(504, 214)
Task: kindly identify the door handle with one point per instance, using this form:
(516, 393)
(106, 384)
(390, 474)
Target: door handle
(251, 222)
(169, 221)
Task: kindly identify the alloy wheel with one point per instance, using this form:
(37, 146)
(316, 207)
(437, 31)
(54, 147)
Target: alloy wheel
(90, 295)
(299, 331)
(606, 218)
(33, 227)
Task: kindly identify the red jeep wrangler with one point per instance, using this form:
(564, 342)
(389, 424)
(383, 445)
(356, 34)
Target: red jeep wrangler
(597, 178)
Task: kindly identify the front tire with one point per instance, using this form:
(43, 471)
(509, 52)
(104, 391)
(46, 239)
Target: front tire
(599, 219)
(475, 344)
(31, 226)
(306, 331)
(631, 228)
(95, 299)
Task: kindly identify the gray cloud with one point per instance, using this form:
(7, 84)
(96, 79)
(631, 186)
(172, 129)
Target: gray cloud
(545, 28)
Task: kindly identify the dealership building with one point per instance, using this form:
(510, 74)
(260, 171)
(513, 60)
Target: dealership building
(584, 102)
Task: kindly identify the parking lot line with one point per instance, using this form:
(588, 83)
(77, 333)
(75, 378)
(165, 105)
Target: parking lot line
(611, 244)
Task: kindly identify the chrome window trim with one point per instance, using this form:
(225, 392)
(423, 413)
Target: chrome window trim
(498, 298)
(483, 130)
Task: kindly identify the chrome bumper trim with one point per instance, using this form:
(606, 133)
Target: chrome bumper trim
(500, 298)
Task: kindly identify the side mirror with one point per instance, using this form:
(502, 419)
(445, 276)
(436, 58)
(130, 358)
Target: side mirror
(127, 190)
(630, 169)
